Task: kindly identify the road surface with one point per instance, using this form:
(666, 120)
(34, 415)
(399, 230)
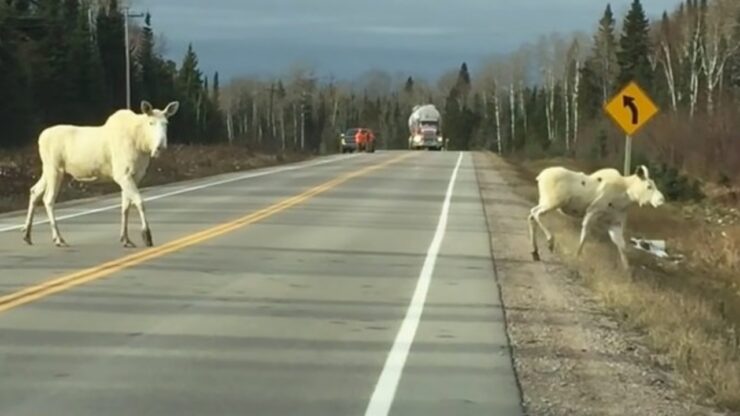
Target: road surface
(347, 285)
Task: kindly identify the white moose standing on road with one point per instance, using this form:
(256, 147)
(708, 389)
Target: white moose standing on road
(120, 151)
(603, 194)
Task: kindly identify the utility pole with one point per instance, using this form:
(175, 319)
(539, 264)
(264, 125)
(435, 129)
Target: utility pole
(126, 16)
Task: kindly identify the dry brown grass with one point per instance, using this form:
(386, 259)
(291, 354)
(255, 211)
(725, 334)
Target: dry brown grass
(19, 170)
(689, 312)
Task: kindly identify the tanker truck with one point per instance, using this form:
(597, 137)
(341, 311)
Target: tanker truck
(425, 128)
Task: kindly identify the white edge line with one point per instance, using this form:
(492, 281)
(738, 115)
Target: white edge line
(268, 171)
(385, 390)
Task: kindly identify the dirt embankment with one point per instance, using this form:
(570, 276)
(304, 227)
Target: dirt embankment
(589, 340)
(20, 169)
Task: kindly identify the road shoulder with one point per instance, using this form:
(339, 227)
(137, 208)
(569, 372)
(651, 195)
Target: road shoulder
(570, 356)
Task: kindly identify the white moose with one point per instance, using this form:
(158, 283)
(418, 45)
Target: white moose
(604, 193)
(120, 151)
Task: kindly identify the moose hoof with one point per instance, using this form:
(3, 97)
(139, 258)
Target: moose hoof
(146, 235)
(59, 242)
(127, 243)
(27, 238)
(535, 256)
(551, 245)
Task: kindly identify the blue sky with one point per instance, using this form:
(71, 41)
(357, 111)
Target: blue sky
(346, 38)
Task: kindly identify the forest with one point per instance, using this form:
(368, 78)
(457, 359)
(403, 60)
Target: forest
(544, 99)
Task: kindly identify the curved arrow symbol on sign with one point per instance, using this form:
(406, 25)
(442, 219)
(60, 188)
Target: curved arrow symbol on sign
(628, 101)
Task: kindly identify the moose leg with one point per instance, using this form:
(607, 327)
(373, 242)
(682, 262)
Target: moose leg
(125, 208)
(616, 233)
(131, 192)
(587, 220)
(37, 191)
(533, 234)
(53, 184)
(539, 211)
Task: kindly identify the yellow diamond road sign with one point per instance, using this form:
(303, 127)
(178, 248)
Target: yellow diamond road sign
(631, 108)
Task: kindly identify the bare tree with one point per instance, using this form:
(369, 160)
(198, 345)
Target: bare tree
(693, 29)
(604, 58)
(576, 89)
(665, 47)
(490, 80)
(546, 66)
(717, 45)
(574, 58)
(516, 74)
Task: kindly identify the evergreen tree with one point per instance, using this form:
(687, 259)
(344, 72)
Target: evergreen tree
(216, 90)
(409, 87)
(190, 126)
(110, 35)
(635, 47)
(463, 83)
(149, 66)
(52, 89)
(15, 105)
(54, 68)
(453, 119)
(85, 73)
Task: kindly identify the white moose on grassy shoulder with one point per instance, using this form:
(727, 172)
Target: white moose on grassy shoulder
(119, 151)
(603, 194)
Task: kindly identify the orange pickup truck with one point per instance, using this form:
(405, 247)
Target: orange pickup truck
(358, 139)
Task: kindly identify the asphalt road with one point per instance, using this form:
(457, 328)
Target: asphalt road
(342, 286)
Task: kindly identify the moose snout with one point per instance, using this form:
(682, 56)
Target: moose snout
(158, 150)
(658, 200)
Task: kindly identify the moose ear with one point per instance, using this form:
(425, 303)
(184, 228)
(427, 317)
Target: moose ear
(642, 172)
(171, 108)
(146, 107)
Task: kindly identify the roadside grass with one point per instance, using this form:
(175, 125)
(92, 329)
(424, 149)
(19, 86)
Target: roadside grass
(21, 168)
(688, 311)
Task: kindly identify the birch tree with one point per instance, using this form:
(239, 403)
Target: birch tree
(717, 45)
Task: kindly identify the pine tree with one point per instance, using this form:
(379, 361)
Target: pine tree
(110, 32)
(216, 90)
(190, 126)
(189, 76)
(463, 77)
(86, 76)
(409, 87)
(148, 65)
(463, 83)
(634, 53)
(52, 86)
(15, 105)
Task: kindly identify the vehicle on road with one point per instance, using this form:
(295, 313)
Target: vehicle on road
(358, 139)
(425, 128)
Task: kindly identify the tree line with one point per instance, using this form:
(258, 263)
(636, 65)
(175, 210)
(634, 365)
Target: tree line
(546, 98)
(63, 61)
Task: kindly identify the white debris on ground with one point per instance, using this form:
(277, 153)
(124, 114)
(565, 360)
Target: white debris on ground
(655, 247)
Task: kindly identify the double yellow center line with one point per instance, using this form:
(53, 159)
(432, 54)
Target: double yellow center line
(71, 280)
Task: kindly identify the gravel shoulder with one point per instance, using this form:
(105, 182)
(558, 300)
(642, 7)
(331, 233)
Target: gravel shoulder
(571, 355)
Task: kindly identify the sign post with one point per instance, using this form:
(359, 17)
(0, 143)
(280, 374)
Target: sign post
(627, 155)
(631, 108)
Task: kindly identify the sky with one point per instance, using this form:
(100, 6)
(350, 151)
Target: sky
(345, 38)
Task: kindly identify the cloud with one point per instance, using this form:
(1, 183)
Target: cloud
(239, 36)
(406, 30)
